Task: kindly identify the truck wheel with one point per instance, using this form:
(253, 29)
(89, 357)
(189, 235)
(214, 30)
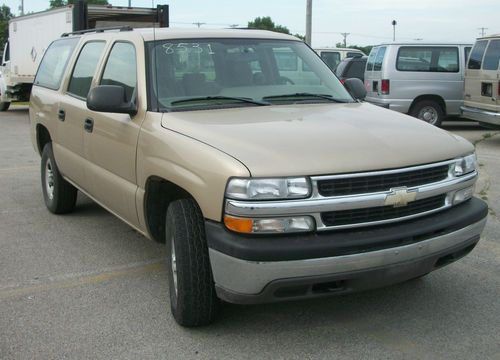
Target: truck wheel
(192, 292)
(59, 195)
(4, 106)
(429, 111)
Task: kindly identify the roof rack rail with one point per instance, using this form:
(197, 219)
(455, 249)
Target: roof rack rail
(99, 30)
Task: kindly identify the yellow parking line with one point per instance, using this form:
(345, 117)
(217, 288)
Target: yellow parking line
(81, 281)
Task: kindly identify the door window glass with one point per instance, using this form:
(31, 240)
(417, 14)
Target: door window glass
(476, 55)
(331, 58)
(121, 69)
(371, 59)
(377, 66)
(428, 59)
(54, 63)
(83, 72)
(492, 56)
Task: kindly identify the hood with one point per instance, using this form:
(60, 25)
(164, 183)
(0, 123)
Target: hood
(318, 139)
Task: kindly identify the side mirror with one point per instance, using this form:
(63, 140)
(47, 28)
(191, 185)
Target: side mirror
(356, 88)
(110, 99)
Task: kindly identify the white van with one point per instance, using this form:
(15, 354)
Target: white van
(333, 56)
(424, 80)
(482, 82)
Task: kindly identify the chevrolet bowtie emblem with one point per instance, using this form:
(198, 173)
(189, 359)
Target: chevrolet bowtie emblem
(400, 197)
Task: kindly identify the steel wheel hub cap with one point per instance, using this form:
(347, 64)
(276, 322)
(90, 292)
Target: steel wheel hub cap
(428, 114)
(49, 179)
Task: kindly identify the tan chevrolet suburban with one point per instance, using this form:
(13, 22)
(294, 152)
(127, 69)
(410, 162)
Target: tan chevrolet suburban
(263, 188)
(482, 82)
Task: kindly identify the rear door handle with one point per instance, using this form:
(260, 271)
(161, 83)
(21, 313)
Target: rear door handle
(88, 125)
(61, 114)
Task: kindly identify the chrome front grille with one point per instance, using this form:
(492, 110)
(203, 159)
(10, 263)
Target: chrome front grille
(375, 183)
(372, 199)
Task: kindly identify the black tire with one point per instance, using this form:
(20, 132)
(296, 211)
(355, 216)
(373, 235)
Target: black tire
(59, 195)
(4, 106)
(193, 300)
(428, 111)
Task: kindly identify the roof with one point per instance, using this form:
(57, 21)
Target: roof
(335, 49)
(490, 36)
(425, 43)
(184, 33)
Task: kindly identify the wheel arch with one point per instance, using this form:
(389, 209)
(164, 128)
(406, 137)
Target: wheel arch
(431, 97)
(159, 194)
(42, 137)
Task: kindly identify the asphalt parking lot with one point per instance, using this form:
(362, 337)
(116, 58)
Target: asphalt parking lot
(85, 285)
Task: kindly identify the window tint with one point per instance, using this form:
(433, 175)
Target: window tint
(476, 55)
(492, 56)
(356, 70)
(54, 62)
(377, 66)
(353, 54)
(121, 69)
(428, 59)
(84, 69)
(371, 59)
(331, 58)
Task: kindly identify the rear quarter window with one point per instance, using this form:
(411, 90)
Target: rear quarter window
(54, 63)
(356, 70)
(492, 56)
(428, 59)
(476, 55)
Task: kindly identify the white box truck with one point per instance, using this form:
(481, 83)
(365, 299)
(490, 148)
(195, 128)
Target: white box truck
(31, 34)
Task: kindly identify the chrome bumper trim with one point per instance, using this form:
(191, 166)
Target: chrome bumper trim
(250, 277)
(317, 204)
(480, 115)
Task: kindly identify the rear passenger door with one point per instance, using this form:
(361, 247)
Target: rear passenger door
(72, 111)
(489, 76)
(476, 88)
(110, 143)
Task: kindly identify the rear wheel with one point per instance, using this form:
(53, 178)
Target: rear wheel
(429, 111)
(59, 195)
(193, 300)
(4, 106)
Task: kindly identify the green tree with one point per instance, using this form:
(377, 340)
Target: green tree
(266, 23)
(59, 3)
(5, 16)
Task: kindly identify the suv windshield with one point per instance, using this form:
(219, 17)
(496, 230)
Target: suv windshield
(214, 73)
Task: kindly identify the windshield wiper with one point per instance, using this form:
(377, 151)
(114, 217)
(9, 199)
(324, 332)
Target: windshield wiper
(220, 97)
(305, 95)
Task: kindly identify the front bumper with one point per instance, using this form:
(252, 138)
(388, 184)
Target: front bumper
(265, 269)
(483, 116)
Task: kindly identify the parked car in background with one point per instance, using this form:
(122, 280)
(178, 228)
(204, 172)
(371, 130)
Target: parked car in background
(482, 82)
(333, 56)
(353, 67)
(421, 79)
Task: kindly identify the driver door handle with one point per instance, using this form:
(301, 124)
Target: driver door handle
(89, 125)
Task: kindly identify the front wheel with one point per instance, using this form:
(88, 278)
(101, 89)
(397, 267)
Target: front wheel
(193, 300)
(429, 111)
(59, 195)
(4, 106)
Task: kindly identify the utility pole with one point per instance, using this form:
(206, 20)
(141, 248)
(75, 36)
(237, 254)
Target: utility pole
(482, 30)
(129, 3)
(21, 7)
(198, 24)
(309, 22)
(394, 23)
(345, 38)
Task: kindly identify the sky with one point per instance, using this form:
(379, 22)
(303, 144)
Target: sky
(368, 22)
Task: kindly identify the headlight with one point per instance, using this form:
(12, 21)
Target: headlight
(268, 189)
(465, 165)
